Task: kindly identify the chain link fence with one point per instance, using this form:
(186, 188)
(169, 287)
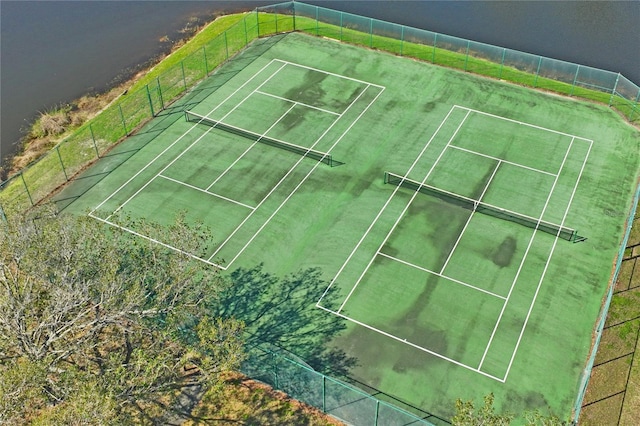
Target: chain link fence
(94, 139)
(288, 373)
(586, 374)
(522, 68)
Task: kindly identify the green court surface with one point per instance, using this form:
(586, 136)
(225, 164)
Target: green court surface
(440, 295)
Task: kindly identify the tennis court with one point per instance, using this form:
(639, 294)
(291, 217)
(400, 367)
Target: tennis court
(240, 181)
(457, 221)
(492, 268)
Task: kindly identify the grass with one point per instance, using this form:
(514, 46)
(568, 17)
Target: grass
(468, 61)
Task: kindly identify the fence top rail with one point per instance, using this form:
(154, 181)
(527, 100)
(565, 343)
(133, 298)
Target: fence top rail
(300, 6)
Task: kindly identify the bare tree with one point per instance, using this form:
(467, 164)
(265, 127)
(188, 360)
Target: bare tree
(81, 304)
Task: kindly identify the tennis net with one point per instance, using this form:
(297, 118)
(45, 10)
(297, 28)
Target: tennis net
(560, 231)
(322, 157)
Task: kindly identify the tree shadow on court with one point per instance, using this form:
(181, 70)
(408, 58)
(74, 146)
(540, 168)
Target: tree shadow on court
(281, 312)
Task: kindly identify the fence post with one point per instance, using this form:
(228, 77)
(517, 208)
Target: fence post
(246, 36)
(466, 57)
(184, 78)
(293, 4)
(160, 93)
(433, 57)
(575, 79)
(317, 12)
(206, 65)
(375, 422)
(3, 217)
(535, 82)
(226, 46)
(258, 22)
(370, 32)
(324, 395)
(633, 108)
(93, 138)
(341, 18)
(153, 114)
(401, 38)
(26, 188)
(124, 123)
(276, 22)
(613, 92)
(504, 52)
(64, 171)
(275, 371)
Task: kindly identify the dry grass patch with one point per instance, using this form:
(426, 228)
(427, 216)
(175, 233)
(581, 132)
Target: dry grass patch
(247, 402)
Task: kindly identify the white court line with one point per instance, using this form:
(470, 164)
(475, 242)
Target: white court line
(297, 103)
(206, 192)
(286, 175)
(475, 207)
(311, 171)
(248, 149)
(190, 146)
(523, 123)
(124, 228)
(176, 141)
(405, 341)
(330, 73)
(402, 214)
(546, 266)
(524, 258)
(444, 120)
(499, 159)
(441, 275)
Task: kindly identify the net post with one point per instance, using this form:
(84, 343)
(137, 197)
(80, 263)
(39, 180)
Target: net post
(386, 177)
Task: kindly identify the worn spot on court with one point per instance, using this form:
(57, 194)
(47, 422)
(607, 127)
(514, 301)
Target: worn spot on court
(503, 255)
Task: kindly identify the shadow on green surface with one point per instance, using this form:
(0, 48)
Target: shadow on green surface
(281, 312)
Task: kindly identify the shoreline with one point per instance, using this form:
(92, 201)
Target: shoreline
(65, 118)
